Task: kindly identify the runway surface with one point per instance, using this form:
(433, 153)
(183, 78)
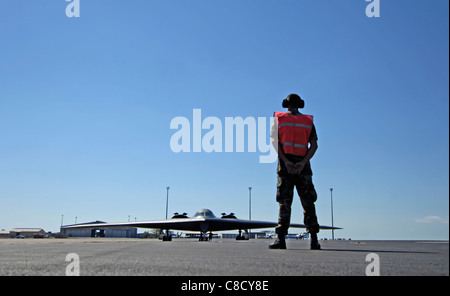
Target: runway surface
(227, 257)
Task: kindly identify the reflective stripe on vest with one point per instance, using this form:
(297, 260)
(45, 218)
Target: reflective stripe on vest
(294, 132)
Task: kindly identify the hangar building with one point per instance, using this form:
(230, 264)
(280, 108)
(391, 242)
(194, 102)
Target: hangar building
(27, 232)
(130, 232)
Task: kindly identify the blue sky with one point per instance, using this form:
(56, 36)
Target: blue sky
(86, 105)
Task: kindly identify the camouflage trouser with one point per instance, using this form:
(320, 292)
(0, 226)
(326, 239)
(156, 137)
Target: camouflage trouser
(285, 194)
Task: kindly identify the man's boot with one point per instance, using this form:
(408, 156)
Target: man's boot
(280, 243)
(314, 242)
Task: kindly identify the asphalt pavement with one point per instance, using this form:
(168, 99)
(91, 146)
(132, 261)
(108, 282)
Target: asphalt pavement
(221, 257)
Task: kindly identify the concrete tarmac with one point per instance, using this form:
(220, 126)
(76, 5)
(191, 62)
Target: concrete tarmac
(221, 257)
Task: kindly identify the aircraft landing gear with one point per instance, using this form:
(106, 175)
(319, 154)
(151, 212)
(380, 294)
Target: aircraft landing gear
(204, 237)
(242, 237)
(167, 237)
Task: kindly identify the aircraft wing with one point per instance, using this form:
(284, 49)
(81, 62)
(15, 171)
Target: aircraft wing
(192, 224)
(217, 224)
(174, 224)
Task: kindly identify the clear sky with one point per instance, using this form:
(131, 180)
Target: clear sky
(86, 105)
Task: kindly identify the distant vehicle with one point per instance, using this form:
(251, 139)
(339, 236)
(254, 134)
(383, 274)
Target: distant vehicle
(60, 235)
(20, 236)
(270, 235)
(302, 235)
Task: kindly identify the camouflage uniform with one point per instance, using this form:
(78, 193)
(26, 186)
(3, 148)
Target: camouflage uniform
(305, 189)
(285, 194)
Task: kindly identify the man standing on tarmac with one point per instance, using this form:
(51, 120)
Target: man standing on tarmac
(295, 131)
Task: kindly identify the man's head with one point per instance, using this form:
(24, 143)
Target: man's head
(293, 101)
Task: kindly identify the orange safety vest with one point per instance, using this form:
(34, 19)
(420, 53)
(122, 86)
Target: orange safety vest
(293, 132)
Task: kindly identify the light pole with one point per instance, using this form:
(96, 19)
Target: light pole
(249, 208)
(249, 203)
(62, 222)
(332, 221)
(167, 200)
